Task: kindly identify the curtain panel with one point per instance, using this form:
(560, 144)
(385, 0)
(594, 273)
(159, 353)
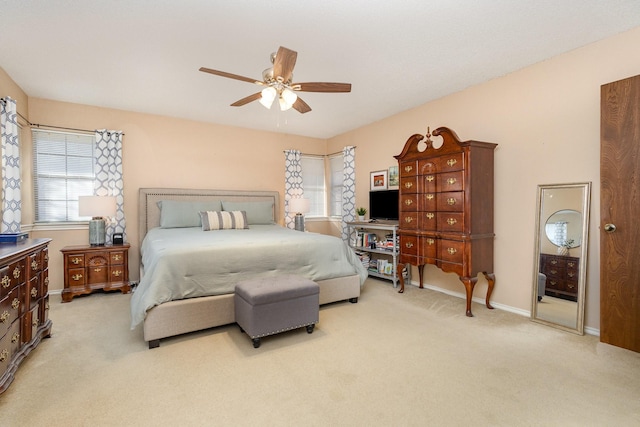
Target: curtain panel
(11, 197)
(292, 184)
(348, 189)
(109, 178)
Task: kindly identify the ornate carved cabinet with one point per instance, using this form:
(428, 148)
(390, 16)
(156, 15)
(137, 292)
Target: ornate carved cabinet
(24, 303)
(446, 208)
(88, 268)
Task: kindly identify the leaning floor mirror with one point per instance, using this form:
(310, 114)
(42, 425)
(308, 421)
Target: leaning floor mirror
(560, 263)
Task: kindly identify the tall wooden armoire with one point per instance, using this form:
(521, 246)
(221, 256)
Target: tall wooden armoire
(446, 208)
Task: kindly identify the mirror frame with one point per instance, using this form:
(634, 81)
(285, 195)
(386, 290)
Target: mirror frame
(582, 279)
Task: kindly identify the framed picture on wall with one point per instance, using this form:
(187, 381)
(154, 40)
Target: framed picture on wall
(379, 180)
(394, 178)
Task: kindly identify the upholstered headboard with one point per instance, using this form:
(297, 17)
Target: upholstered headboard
(149, 212)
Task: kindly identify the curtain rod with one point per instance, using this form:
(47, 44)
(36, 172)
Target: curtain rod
(66, 128)
(319, 155)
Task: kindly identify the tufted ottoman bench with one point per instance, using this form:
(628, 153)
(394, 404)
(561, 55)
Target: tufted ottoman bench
(269, 305)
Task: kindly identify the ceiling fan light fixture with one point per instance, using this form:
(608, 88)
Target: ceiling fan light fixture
(289, 96)
(284, 105)
(268, 96)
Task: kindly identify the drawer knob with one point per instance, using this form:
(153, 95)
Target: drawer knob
(76, 260)
(451, 221)
(76, 277)
(430, 215)
(408, 245)
(408, 219)
(15, 337)
(117, 257)
(4, 354)
(451, 162)
(408, 168)
(452, 251)
(430, 178)
(430, 196)
(34, 292)
(34, 265)
(5, 316)
(16, 273)
(6, 281)
(117, 273)
(408, 202)
(408, 184)
(430, 241)
(97, 270)
(15, 303)
(451, 201)
(451, 181)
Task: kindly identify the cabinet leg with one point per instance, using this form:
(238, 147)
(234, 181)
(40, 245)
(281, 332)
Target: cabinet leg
(399, 270)
(491, 279)
(469, 284)
(420, 274)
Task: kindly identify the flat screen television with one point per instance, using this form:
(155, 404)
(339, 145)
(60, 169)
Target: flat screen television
(383, 205)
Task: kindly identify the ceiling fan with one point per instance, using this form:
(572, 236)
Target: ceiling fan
(278, 82)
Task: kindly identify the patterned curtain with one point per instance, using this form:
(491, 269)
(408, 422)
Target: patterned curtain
(348, 189)
(11, 199)
(292, 184)
(109, 182)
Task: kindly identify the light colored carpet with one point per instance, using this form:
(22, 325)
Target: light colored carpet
(392, 359)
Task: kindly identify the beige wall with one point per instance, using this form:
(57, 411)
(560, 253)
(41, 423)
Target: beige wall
(545, 119)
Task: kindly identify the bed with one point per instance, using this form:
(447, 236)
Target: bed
(181, 290)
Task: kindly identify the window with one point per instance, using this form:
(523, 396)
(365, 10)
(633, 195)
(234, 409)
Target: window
(336, 178)
(323, 203)
(313, 182)
(63, 165)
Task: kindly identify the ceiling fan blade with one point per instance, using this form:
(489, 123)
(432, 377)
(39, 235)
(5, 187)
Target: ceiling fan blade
(301, 106)
(247, 100)
(322, 87)
(284, 63)
(229, 75)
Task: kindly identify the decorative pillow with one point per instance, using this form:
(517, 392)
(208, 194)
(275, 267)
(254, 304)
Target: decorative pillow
(177, 214)
(257, 212)
(223, 220)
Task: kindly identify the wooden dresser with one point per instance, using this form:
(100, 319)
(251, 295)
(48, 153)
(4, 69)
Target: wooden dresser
(24, 303)
(562, 275)
(446, 208)
(89, 268)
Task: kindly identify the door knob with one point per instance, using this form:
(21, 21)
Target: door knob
(610, 228)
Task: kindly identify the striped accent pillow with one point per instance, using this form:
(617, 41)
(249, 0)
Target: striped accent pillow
(223, 220)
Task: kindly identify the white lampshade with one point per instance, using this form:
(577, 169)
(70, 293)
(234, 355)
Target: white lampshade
(299, 205)
(268, 95)
(97, 206)
(289, 96)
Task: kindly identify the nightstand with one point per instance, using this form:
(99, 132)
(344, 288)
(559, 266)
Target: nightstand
(89, 268)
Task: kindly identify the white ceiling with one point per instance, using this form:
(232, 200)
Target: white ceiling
(144, 55)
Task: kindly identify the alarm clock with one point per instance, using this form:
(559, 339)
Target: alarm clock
(118, 239)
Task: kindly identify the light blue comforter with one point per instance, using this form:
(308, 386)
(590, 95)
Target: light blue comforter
(188, 262)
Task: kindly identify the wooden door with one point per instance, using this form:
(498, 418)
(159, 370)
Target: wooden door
(620, 214)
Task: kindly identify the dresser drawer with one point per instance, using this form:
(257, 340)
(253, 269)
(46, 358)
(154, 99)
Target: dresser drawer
(429, 183)
(116, 274)
(408, 168)
(452, 201)
(409, 202)
(429, 202)
(117, 258)
(451, 221)
(451, 181)
(429, 247)
(409, 220)
(409, 245)
(9, 310)
(451, 162)
(409, 184)
(451, 251)
(74, 260)
(427, 166)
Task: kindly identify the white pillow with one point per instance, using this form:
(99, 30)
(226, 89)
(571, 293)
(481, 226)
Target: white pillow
(223, 220)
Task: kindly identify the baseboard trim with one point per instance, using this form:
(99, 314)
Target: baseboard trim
(515, 310)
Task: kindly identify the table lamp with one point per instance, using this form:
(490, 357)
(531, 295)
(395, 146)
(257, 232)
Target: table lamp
(299, 206)
(97, 207)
